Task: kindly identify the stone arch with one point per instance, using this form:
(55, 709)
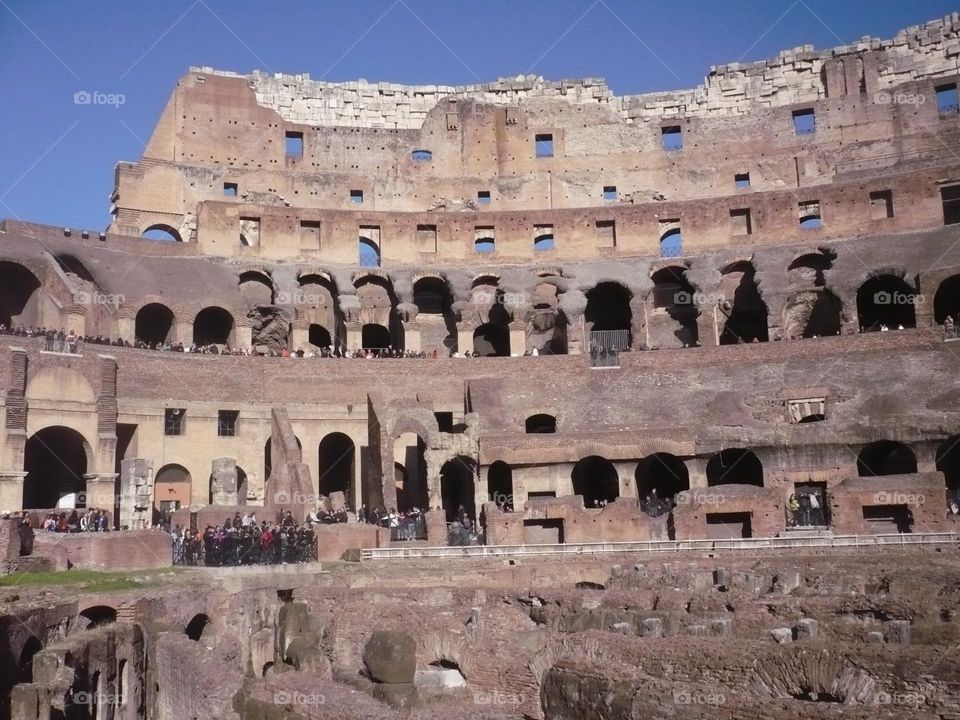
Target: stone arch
(661, 475)
(162, 232)
(948, 462)
(810, 268)
(410, 470)
(336, 465)
(19, 296)
(825, 675)
(368, 252)
(500, 484)
(540, 423)
(72, 265)
(742, 316)
(671, 309)
(172, 483)
(316, 301)
(213, 325)
(197, 627)
(492, 339)
(378, 302)
(96, 616)
(671, 243)
(596, 480)
(256, 288)
(154, 323)
(434, 301)
(735, 466)
(946, 301)
(886, 457)
(886, 300)
(812, 313)
(56, 459)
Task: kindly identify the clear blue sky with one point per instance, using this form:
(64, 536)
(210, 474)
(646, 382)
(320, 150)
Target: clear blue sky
(57, 157)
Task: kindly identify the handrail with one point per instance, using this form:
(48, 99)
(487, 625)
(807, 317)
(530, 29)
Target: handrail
(596, 548)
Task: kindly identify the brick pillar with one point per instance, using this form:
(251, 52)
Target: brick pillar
(11, 490)
(697, 470)
(436, 527)
(411, 336)
(300, 334)
(465, 337)
(136, 492)
(707, 325)
(183, 331)
(576, 342)
(242, 334)
(354, 336)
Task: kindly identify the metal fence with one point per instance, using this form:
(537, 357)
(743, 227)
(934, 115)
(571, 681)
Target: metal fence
(68, 344)
(606, 346)
(409, 528)
(460, 535)
(219, 548)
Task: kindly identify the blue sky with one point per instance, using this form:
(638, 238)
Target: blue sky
(58, 157)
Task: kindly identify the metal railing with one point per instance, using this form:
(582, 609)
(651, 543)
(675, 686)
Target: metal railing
(660, 546)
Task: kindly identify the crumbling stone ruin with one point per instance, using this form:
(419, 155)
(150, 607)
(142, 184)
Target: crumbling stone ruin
(719, 323)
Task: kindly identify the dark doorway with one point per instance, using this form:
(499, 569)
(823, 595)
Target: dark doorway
(336, 467)
(55, 459)
(17, 295)
(492, 339)
(886, 457)
(212, 326)
(500, 484)
(735, 466)
(885, 302)
(726, 526)
(659, 478)
(457, 488)
(375, 337)
(596, 480)
(319, 336)
(888, 519)
(747, 321)
(947, 300)
(541, 424)
(543, 532)
(154, 324)
(608, 309)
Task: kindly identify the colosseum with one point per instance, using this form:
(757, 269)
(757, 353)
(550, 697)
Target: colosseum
(553, 403)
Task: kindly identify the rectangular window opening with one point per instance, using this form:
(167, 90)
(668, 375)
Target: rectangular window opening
(444, 421)
(740, 223)
(173, 421)
(804, 121)
(356, 196)
(230, 189)
(543, 145)
(227, 423)
(947, 100)
(293, 144)
(810, 218)
(741, 181)
(310, 235)
(606, 233)
(483, 197)
(881, 205)
(610, 193)
(543, 237)
(672, 137)
(950, 196)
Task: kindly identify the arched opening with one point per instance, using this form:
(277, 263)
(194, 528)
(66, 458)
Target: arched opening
(319, 336)
(369, 253)
(72, 265)
(431, 296)
(596, 480)
(154, 324)
(450, 674)
(492, 339)
(946, 302)
(212, 326)
(608, 312)
(123, 682)
(885, 302)
(543, 242)
(55, 459)
(243, 487)
(18, 295)
(948, 462)
(171, 489)
(886, 457)
(812, 313)
(671, 243)
(484, 245)
(745, 314)
(336, 465)
(659, 478)
(96, 616)
(735, 466)
(25, 663)
(673, 321)
(162, 232)
(457, 488)
(197, 626)
(500, 484)
(256, 288)
(810, 269)
(541, 423)
(375, 337)
(410, 472)
(546, 330)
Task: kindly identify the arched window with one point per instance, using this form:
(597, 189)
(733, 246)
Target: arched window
(256, 288)
(369, 253)
(735, 466)
(744, 309)
(500, 484)
(72, 265)
(608, 311)
(431, 296)
(659, 478)
(671, 243)
(212, 326)
(96, 616)
(542, 423)
(947, 300)
(885, 302)
(196, 627)
(948, 462)
(673, 294)
(886, 457)
(543, 242)
(319, 336)
(18, 295)
(596, 480)
(375, 337)
(492, 339)
(162, 232)
(421, 156)
(336, 465)
(457, 488)
(484, 245)
(154, 324)
(55, 459)
(812, 313)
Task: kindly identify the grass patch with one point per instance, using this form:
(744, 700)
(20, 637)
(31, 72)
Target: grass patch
(88, 580)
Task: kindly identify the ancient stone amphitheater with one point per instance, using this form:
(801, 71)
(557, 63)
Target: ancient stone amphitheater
(683, 361)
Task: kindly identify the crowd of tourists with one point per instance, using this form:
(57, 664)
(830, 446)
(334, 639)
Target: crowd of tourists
(245, 541)
(405, 525)
(92, 520)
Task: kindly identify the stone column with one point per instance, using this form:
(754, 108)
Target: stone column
(411, 336)
(75, 319)
(697, 470)
(136, 493)
(183, 331)
(576, 342)
(465, 337)
(436, 527)
(101, 493)
(242, 334)
(354, 336)
(481, 490)
(126, 325)
(300, 334)
(707, 326)
(223, 481)
(11, 490)
(518, 337)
